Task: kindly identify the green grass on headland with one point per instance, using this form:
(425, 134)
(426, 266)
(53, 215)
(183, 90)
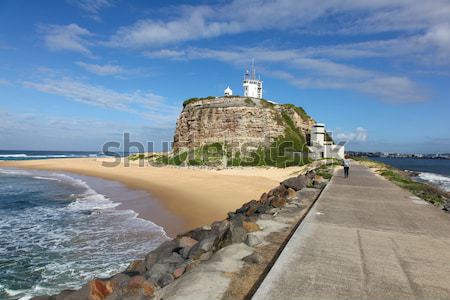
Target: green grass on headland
(288, 150)
(299, 110)
(192, 100)
(326, 170)
(422, 190)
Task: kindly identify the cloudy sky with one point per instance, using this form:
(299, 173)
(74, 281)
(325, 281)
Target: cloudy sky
(77, 73)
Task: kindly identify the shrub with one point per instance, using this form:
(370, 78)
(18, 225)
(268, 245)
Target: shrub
(192, 100)
(249, 101)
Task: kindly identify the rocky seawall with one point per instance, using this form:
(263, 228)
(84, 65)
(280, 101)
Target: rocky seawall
(177, 268)
(235, 121)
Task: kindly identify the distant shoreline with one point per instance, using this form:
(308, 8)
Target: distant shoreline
(436, 166)
(193, 196)
(435, 190)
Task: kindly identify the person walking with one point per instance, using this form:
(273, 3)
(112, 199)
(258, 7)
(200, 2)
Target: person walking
(346, 163)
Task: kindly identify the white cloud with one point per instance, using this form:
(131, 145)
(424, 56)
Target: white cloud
(92, 7)
(359, 135)
(166, 53)
(66, 37)
(152, 33)
(101, 69)
(352, 16)
(393, 89)
(294, 66)
(31, 131)
(144, 104)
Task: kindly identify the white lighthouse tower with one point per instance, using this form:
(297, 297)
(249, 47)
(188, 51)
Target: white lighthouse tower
(252, 86)
(318, 135)
(320, 147)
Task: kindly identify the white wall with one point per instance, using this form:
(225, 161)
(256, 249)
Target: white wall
(318, 136)
(251, 88)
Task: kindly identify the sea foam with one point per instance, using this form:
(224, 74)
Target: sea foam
(68, 234)
(437, 179)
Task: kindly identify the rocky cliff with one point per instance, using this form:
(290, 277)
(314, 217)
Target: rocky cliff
(236, 121)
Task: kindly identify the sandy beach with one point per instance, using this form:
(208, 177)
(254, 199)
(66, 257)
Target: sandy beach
(193, 196)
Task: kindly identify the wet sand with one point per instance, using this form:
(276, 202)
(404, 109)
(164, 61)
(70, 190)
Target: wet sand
(180, 198)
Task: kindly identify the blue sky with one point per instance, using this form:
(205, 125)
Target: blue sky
(75, 74)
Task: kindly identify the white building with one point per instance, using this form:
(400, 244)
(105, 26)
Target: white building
(252, 86)
(320, 148)
(228, 92)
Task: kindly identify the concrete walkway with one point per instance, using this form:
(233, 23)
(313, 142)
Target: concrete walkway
(365, 238)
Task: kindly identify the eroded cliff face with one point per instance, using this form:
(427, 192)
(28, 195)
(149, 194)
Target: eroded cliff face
(235, 121)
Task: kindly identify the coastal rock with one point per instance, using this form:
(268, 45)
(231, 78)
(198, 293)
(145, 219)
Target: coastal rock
(186, 241)
(185, 245)
(237, 233)
(249, 208)
(202, 247)
(296, 183)
(279, 191)
(262, 208)
(274, 211)
(250, 226)
(163, 251)
(119, 286)
(319, 182)
(292, 194)
(199, 233)
(220, 229)
(158, 271)
(166, 279)
(174, 258)
(206, 255)
(447, 205)
(138, 286)
(96, 289)
(135, 282)
(264, 197)
(179, 271)
(310, 175)
(184, 252)
(191, 264)
(278, 202)
(64, 295)
(253, 258)
(137, 266)
(253, 240)
(100, 289)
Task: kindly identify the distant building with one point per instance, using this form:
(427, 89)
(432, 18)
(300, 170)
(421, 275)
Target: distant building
(228, 92)
(252, 86)
(322, 146)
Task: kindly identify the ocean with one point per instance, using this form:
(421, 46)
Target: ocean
(25, 155)
(58, 231)
(435, 171)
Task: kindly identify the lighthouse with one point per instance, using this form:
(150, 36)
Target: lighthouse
(252, 86)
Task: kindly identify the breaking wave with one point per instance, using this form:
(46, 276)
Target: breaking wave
(56, 233)
(440, 180)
